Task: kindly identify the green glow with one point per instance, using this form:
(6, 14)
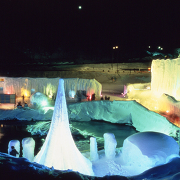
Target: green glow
(80, 7)
(44, 103)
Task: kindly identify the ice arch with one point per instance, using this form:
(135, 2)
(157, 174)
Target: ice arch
(59, 149)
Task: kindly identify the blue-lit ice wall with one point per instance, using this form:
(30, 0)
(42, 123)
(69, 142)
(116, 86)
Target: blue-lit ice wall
(59, 150)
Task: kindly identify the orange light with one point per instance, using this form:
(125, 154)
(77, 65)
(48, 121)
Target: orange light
(167, 111)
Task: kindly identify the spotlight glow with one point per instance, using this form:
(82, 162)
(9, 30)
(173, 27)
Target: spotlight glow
(44, 103)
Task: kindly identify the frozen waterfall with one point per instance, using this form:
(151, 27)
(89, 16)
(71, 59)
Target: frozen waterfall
(59, 149)
(165, 77)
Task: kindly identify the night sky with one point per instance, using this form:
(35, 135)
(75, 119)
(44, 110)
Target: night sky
(41, 25)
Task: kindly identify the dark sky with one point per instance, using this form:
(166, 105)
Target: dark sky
(98, 26)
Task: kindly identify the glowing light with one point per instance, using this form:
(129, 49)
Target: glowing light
(90, 97)
(72, 94)
(149, 46)
(44, 103)
(1, 125)
(80, 7)
(167, 111)
(25, 92)
(116, 47)
(50, 96)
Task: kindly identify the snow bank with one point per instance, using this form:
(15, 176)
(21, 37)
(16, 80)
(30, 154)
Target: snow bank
(129, 112)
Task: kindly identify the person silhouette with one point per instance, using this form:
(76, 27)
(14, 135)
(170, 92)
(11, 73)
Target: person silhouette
(13, 151)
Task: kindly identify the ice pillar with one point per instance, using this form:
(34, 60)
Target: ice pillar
(110, 144)
(93, 149)
(28, 145)
(16, 145)
(59, 149)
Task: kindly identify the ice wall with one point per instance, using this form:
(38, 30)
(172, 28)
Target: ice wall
(165, 77)
(48, 86)
(59, 149)
(122, 112)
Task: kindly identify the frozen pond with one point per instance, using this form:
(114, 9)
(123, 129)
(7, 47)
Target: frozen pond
(85, 131)
(98, 128)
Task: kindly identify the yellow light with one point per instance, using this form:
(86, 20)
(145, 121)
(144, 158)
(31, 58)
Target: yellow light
(116, 47)
(167, 111)
(50, 96)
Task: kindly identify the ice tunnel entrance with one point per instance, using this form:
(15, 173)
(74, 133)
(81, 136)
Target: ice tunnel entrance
(59, 150)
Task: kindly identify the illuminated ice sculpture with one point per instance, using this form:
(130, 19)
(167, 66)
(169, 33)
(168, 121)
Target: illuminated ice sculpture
(28, 145)
(59, 150)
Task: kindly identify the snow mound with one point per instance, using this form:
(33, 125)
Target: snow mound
(145, 150)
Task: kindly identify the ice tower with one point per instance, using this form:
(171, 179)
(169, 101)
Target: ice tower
(59, 149)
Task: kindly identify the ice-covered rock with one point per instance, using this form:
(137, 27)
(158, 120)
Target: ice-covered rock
(145, 150)
(110, 144)
(93, 149)
(16, 145)
(28, 145)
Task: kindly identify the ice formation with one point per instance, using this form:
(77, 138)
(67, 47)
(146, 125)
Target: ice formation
(110, 144)
(16, 145)
(168, 80)
(142, 151)
(28, 145)
(129, 112)
(38, 100)
(48, 86)
(59, 150)
(93, 149)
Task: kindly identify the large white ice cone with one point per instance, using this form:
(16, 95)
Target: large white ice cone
(59, 149)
